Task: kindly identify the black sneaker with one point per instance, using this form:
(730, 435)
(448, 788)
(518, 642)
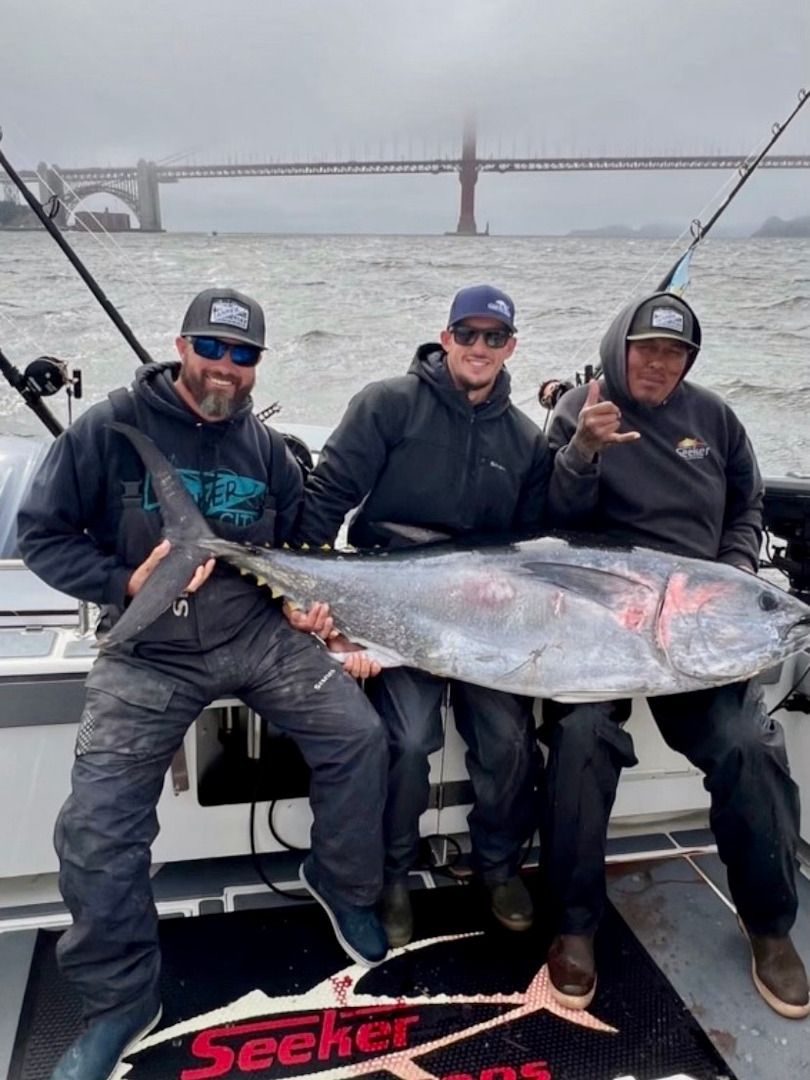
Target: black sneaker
(97, 1053)
(357, 928)
(510, 903)
(396, 914)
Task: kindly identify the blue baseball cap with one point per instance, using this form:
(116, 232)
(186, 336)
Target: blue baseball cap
(482, 302)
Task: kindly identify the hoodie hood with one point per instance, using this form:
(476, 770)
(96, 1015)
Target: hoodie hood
(430, 365)
(613, 353)
(155, 383)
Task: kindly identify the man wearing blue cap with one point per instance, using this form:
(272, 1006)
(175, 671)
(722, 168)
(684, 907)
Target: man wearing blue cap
(444, 449)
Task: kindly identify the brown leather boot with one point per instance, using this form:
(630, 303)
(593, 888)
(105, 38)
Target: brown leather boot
(572, 970)
(779, 974)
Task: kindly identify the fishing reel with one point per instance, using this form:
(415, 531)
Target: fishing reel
(550, 391)
(42, 378)
(47, 375)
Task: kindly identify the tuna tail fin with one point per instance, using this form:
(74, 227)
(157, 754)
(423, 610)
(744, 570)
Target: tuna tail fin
(182, 519)
(166, 582)
(183, 525)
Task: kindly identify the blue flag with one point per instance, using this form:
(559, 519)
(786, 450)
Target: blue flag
(678, 279)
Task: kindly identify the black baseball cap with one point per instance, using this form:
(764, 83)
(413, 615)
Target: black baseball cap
(665, 316)
(225, 313)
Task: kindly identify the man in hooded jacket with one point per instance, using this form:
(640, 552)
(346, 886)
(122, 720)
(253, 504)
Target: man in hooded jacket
(91, 527)
(648, 458)
(443, 448)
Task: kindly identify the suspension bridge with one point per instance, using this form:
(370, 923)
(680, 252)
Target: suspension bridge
(138, 186)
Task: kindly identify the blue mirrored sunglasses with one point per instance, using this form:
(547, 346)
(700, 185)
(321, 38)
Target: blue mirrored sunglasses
(211, 348)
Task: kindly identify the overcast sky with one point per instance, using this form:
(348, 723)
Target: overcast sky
(107, 81)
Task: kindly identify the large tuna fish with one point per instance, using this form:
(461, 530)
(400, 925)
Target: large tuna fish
(548, 617)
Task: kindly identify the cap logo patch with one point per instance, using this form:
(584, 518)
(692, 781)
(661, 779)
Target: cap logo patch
(230, 313)
(667, 319)
(500, 306)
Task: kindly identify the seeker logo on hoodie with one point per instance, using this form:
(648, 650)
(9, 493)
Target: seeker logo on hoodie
(691, 449)
(221, 494)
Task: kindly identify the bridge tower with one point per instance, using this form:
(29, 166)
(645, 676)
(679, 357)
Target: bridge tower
(148, 197)
(52, 185)
(468, 176)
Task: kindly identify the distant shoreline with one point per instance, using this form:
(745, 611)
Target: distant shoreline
(766, 232)
(774, 227)
(15, 217)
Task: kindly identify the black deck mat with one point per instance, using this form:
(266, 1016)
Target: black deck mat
(435, 1010)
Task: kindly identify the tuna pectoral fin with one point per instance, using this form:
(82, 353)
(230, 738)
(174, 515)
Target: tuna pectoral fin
(602, 586)
(384, 657)
(166, 582)
(414, 534)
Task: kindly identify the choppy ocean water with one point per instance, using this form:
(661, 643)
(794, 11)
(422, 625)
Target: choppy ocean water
(343, 310)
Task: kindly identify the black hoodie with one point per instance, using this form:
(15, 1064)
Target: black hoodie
(91, 517)
(690, 484)
(413, 450)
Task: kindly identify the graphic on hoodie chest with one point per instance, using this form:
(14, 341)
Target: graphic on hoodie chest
(692, 448)
(220, 494)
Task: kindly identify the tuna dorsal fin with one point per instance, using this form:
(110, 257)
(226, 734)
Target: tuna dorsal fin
(602, 586)
(181, 516)
(166, 582)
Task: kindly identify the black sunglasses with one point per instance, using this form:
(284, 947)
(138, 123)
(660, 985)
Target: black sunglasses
(468, 335)
(211, 348)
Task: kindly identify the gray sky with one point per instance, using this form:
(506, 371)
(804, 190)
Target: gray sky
(108, 81)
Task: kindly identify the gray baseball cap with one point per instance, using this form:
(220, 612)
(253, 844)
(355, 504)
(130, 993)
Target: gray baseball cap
(225, 313)
(665, 316)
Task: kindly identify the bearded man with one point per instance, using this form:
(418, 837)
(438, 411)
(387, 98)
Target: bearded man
(91, 527)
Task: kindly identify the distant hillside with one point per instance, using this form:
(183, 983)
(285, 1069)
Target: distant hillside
(775, 226)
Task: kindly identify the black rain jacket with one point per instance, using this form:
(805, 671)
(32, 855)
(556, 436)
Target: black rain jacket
(414, 451)
(91, 516)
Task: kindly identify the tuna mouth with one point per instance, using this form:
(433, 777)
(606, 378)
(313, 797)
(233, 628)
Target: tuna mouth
(797, 635)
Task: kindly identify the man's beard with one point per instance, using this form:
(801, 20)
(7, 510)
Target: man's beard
(469, 384)
(213, 404)
(217, 405)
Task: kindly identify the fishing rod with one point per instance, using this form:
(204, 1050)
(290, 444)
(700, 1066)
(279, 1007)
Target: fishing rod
(46, 375)
(699, 231)
(677, 277)
(48, 222)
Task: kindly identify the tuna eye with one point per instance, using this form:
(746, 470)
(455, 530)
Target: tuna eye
(768, 602)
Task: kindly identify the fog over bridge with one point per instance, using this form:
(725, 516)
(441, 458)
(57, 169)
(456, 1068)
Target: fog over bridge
(138, 186)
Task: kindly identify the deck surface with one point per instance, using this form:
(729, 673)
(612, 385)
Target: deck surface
(668, 886)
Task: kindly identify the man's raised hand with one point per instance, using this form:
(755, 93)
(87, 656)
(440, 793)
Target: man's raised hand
(598, 425)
